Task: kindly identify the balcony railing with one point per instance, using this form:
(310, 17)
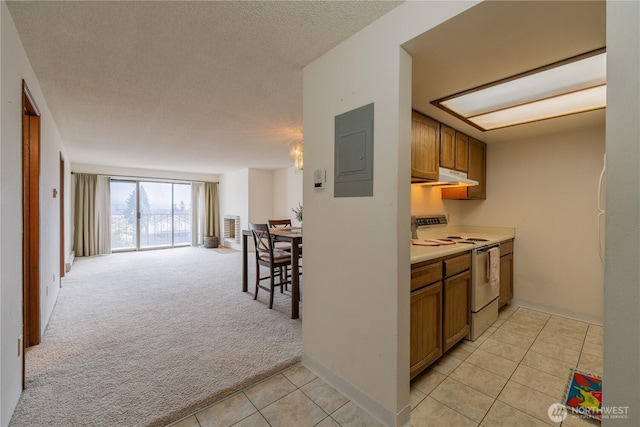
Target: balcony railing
(156, 229)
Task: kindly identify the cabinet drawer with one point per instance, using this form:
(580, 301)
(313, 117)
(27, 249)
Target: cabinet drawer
(506, 247)
(425, 275)
(457, 265)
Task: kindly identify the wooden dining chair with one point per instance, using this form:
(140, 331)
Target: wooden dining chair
(280, 223)
(276, 260)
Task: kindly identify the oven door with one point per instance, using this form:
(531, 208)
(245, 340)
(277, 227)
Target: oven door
(481, 291)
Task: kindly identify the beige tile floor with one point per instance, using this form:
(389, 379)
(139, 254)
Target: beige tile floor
(508, 377)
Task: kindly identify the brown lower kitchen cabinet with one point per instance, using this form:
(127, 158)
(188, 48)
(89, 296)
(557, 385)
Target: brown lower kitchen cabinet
(426, 327)
(440, 310)
(506, 272)
(457, 311)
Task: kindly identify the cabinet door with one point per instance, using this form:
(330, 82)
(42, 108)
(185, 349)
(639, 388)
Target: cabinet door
(462, 152)
(506, 279)
(447, 147)
(424, 148)
(477, 169)
(426, 327)
(457, 308)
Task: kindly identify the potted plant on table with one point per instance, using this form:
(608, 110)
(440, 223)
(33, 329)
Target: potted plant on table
(298, 212)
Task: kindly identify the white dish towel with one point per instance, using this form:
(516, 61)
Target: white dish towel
(493, 267)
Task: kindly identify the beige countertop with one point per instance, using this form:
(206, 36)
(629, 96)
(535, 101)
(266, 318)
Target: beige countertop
(426, 253)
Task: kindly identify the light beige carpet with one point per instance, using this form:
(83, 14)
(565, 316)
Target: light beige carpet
(145, 338)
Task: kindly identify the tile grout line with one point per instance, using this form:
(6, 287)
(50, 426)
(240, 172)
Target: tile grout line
(510, 376)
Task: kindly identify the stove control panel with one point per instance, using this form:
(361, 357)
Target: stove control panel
(430, 220)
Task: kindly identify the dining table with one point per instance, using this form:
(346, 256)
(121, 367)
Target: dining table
(292, 235)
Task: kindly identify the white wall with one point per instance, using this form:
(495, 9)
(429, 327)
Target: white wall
(547, 189)
(260, 195)
(427, 200)
(14, 68)
(234, 200)
(287, 194)
(356, 307)
(622, 269)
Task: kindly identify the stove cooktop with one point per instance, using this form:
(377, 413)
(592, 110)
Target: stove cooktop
(466, 239)
(449, 240)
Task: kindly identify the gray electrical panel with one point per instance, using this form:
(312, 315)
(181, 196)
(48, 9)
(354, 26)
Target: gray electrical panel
(353, 176)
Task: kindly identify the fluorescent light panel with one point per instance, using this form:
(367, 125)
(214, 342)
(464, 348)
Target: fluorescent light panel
(561, 105)
(553, 91)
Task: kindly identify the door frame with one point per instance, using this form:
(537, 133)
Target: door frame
(63, 254)
(31, 222)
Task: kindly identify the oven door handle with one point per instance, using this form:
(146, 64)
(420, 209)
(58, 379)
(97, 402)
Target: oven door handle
(486, 248)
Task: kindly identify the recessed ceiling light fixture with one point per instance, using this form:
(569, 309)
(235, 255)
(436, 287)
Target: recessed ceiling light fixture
(571, 86)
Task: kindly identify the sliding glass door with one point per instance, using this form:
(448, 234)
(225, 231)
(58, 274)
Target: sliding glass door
(182, 215)
(148, 214)
(124, 224)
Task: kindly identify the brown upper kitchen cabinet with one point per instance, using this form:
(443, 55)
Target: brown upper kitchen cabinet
(462, 152)
(476, 171)
(447, 147)
(454, 149)
(425, 160)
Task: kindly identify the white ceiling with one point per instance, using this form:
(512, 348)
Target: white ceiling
(498, 39)
(190, 86)
(216, 86)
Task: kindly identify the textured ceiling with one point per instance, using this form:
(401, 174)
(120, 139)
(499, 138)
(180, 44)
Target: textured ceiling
(190, 86)
(216, 86)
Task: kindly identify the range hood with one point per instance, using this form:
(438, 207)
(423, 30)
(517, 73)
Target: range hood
(450, 178)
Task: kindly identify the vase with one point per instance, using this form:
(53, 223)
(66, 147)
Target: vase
(211, 241)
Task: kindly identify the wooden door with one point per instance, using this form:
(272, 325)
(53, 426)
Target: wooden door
(31, 222)
(61, 202)
(426, 327)
(447, 147)
(456, 319)
(424, 148)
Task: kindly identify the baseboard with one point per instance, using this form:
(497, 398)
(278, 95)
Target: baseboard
(558, 312)
(70, 258)
(357, 396)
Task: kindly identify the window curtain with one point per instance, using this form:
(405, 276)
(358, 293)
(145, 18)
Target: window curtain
(198, 214)
(103, 214)
(212, 209)
(92, 215)
(85, 215)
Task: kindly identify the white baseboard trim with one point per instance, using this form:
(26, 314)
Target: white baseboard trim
(558, 312)
(70, 258)
(357, 396)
